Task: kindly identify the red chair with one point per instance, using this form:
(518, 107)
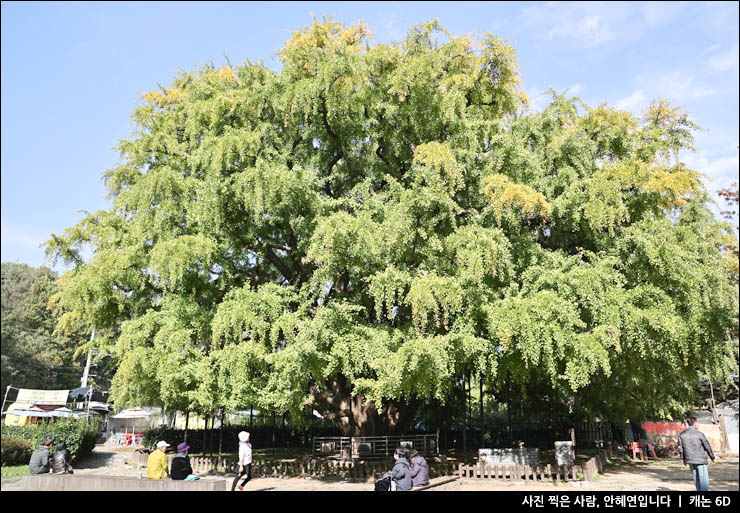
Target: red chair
(651, 450)
(636, 448)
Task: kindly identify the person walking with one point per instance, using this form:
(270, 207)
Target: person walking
(401, 474)
(39, 463)
(419, 469)
(156, 464)
(60, 460)
(181, 467)
(244, 466)
(694, 448)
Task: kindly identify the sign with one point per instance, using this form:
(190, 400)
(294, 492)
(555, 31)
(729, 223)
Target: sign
(564, 453)
(519, 456)
(29, 396)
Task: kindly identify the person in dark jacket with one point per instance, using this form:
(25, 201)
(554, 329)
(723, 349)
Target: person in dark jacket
(694, 447)
(181, 468)
(401, 474)
(60, 460)
(419, 469)
(39, 463)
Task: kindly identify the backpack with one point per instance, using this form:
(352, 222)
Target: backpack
(384, 483)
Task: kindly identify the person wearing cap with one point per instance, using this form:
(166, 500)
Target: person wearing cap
(181, 467)
(39, 463)
(244, 467)
(156, 464)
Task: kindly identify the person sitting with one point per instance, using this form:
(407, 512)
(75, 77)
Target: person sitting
(60, 460)
(401, 474)
(157, 462)
(181, 468)
(39, 463)
(419, 469)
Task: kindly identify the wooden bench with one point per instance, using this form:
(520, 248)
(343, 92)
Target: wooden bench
(91, 482)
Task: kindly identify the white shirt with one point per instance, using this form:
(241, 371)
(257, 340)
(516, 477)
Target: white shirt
(245, 453)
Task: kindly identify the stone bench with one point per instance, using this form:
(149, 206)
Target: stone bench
(90, 482)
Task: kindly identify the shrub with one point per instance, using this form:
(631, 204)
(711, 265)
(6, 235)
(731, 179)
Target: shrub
(79, 435)
(15, 451)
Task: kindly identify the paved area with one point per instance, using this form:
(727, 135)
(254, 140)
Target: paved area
(655, 475)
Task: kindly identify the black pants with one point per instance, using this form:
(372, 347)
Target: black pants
(247, 471)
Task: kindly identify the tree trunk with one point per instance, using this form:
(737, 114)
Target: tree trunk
(358, 417)
(205, 432)
(187, 418)
(465, 416)
(221, 432)
(482, 421)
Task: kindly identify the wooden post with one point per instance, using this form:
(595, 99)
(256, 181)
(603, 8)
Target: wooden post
(572, 433)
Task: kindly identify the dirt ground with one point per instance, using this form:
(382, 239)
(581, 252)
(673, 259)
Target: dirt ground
(654, 475)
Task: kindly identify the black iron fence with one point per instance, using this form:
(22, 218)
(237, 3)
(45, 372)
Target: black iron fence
(373, 447)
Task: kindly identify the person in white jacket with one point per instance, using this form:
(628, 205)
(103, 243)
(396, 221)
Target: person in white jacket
(244, 467)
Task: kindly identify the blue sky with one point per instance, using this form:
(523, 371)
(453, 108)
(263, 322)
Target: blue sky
(72, 73)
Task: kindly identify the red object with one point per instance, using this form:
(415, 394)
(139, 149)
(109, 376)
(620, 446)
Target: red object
(651, 450)
(636, 448)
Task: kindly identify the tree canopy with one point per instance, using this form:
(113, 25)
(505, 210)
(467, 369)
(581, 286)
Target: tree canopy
(355, 231)
(33, 356)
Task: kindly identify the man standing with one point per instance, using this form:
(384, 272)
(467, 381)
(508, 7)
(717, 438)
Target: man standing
(39, 463)
(156, 464)
(694, 447)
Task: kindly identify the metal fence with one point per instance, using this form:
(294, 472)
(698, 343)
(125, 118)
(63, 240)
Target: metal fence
(373, 447)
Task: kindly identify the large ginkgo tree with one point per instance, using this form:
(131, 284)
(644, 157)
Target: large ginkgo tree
(357, 230)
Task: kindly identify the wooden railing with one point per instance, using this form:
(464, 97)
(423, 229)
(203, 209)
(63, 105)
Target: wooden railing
(359, 469)
(522, 472)
(313, 467)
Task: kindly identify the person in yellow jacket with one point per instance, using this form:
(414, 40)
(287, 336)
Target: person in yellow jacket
(156, 464)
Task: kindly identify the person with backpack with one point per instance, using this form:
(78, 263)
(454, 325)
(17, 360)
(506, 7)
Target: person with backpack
(401, 474)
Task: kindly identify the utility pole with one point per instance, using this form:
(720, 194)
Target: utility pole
(7, 389)
(86, 372)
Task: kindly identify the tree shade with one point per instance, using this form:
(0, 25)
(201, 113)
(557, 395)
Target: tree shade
(357, 230)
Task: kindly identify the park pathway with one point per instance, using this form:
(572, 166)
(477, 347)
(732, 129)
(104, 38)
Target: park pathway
(655, 475)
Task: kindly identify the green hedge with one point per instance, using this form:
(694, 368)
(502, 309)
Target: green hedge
(15, 451)
(79, 435)
(260, 436)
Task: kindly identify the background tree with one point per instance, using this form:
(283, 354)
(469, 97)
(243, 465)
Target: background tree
(33, 356)
(361, 229)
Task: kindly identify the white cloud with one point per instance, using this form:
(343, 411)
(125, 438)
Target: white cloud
(575, 90)
(538, 99)
(674, 86)
(720, 171)
(592, 24)
(726, 60)
(634, 103)
(660, 13)
(19, 236)
(585, 23)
